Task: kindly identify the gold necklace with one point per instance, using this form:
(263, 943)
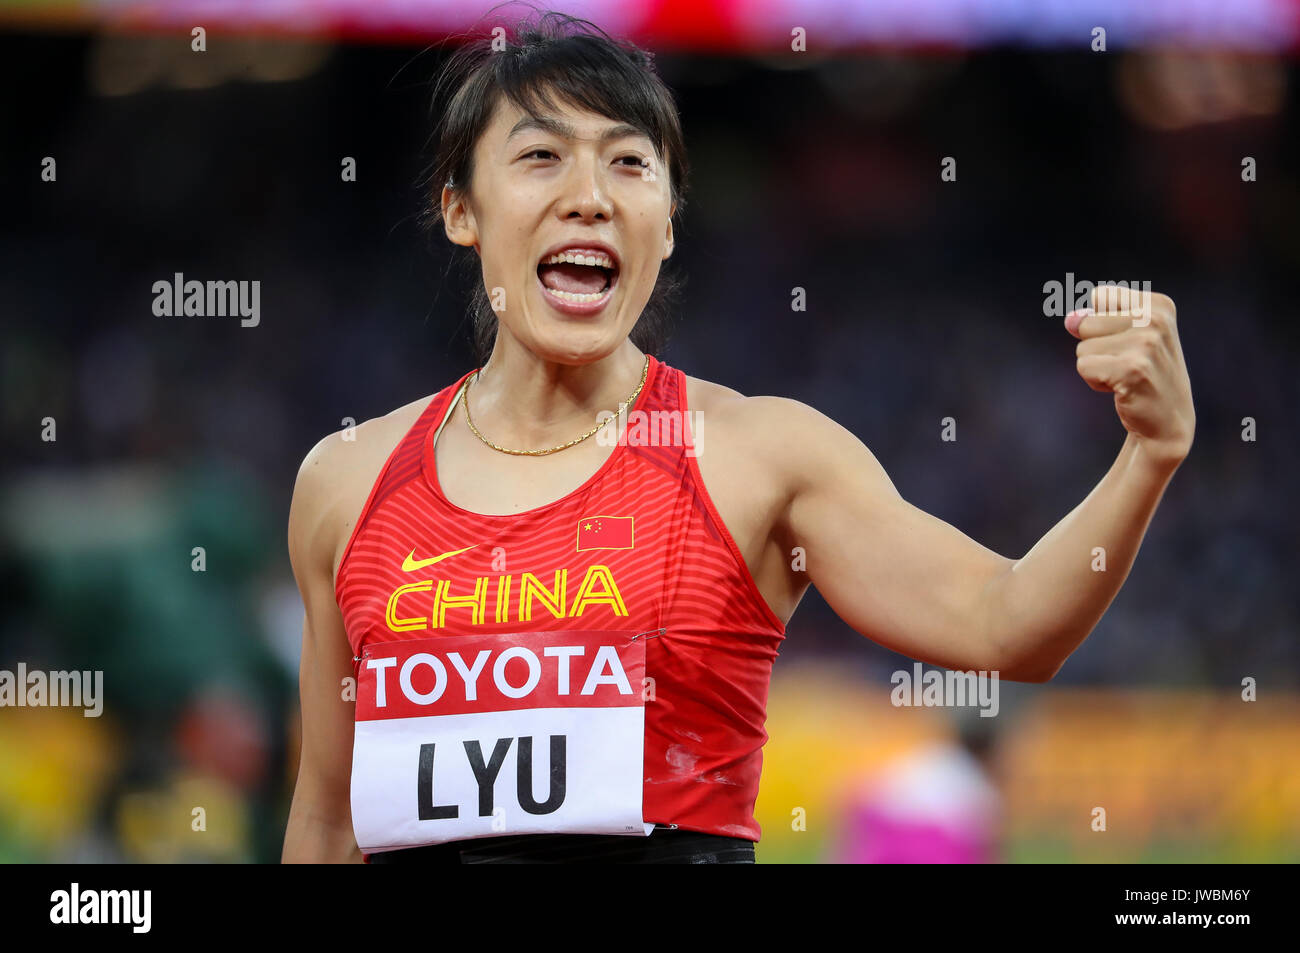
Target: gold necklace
(464, 399)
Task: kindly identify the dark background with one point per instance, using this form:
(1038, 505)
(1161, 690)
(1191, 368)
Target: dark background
(924, 300)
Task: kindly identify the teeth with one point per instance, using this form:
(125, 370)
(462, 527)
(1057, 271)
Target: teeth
(601, 260)
(571, 296)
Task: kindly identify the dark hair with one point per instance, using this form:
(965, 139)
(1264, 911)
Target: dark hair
(537, 62)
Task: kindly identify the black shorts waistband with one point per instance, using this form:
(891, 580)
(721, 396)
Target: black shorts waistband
(664, 845)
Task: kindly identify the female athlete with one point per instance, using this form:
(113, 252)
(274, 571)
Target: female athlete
(542, 604)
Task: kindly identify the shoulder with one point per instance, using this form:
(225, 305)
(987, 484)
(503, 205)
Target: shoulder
(335, 478)
(722, 401)
(353, 450)
(786, 434)
(349, 448)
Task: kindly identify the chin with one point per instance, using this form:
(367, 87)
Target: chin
(570, 343)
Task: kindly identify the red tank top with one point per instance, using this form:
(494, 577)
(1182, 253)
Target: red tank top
(646, 518)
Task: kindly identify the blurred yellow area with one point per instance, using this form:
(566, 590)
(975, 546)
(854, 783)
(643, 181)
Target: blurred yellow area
(192, 819)
(55, 764)
(1175, 775)
(1211, 772)
(825, 730)
(57, 772)
(1180, 776)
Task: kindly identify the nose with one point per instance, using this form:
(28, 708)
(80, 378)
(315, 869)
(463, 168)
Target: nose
(585, 197)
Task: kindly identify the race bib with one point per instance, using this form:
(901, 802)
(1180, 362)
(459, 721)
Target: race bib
(468, 736)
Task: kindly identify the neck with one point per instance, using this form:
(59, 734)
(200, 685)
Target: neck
(523, 400)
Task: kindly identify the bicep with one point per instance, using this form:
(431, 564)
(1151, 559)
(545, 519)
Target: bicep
(325, 668)
(326, 687)
(896, 574)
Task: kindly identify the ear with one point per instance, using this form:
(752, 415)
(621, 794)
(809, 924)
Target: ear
(668, 237)
(458, 218)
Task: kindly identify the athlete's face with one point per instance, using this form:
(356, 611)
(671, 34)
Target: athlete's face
(572, 179)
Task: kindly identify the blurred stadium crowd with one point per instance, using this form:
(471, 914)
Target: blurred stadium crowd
(924, 300)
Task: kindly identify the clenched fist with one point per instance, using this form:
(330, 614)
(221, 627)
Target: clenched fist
(1129, 346)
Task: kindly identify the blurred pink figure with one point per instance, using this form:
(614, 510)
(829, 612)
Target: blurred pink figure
(934, 805)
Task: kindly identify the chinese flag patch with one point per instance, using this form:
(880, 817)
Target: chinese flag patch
(605, 532)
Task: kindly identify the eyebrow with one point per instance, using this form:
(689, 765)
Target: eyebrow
(565, 131)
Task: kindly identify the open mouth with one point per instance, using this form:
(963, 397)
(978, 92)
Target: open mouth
(578, 277)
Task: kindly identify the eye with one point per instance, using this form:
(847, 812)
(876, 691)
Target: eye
(542, 152)
(634, 161)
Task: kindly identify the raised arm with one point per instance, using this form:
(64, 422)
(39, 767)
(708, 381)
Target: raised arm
(918, 586)
(893, 572)
(1055, 594)
(320, 819)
